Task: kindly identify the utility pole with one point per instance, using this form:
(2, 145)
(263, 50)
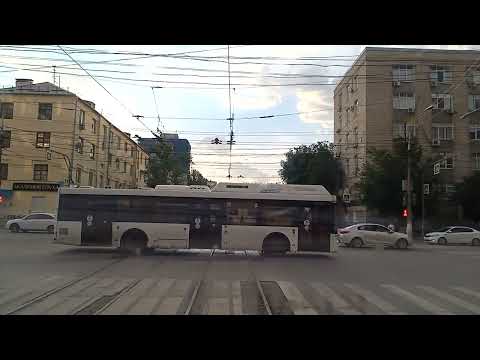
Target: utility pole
(230, 142)
(409, 188)
(70, 170)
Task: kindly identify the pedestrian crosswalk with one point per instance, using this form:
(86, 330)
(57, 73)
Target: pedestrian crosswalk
(58, 295)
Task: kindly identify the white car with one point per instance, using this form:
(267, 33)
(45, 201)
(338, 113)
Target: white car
(454, 235)
(34, 222)
(371, 234)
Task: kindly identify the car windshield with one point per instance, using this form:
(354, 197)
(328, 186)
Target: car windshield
(444, 229)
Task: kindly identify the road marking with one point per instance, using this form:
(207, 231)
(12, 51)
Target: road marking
(296, 301)
(375, 300)
(192, 299)
(424, 304)
(236, 298)
(42, 306)
(169, 306)
(218, 306)
(453, 299)
(337, 302)
(467, 291)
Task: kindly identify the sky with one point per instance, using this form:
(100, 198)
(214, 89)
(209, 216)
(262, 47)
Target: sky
(192, 94)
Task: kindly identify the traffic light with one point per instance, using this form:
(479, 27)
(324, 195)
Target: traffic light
(2, 199)
(405, 213)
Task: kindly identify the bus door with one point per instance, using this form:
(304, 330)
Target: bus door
(206, 220)
(96, 221)
(322, 226)
(305, 226)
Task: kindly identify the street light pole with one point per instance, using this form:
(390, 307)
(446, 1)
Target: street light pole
(409, 191)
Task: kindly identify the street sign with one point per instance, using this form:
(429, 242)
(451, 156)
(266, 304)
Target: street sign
(426, 189)
(436, 169)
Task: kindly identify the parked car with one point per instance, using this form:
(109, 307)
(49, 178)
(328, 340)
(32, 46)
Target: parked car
(33, 222)
(371, 234)
(454, 235)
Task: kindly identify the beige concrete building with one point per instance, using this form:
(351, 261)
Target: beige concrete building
(387, 89)
(52, 138)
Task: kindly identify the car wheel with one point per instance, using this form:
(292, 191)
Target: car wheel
(476, 242)
(356, 242)
(50, 229)
(14, 228)
(442, 241)
(401, 244)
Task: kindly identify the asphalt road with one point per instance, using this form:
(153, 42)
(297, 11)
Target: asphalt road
(39, 277)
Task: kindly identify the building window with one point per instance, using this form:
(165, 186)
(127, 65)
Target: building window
(125, 167)
(78, 176)
(403, 72)
(476, 161)
(5, 137)
(45, 111)
(473, 77)
(473, 102)
(449, 188)
(131, 151)
(92, 152)
(90, 178)
(475, 132)
(126, 147)
(118, 142)
(440, 73)
(442, 101)
(347, 167)
(43, 140)
(117, 164)
(448, 162)
(399, 131)
(81, 120)
(6, 110)
(40, 172)
(104, 137)
(3, 171)
(94, 126)
(442, 132)
(101, 181)
(80, 144)
(404, 100)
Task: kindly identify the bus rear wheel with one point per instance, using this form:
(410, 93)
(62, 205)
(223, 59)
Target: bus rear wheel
(135, 242)
(275, 243)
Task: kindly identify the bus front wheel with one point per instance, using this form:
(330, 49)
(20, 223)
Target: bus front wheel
(134, 241)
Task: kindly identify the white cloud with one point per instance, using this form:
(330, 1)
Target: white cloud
(315, 100)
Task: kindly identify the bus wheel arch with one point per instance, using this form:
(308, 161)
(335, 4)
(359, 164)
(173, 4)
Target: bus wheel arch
(133, 239)
(276, 242)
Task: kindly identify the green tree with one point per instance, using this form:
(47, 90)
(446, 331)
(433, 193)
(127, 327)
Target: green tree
(196, 178)
(314, 164)
(380, 183)
(468, 196)
(165, 166)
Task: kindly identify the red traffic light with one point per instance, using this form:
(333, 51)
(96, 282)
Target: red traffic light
(405, 213)
(1, 199)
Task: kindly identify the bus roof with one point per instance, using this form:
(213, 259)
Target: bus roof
(222, 191)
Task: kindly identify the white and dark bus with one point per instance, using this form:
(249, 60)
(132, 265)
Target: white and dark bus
(269, 218)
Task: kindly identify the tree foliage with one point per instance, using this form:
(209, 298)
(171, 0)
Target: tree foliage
(468, 196)
(196, 178)
(167, 167)
(380, 183)
(314, 164)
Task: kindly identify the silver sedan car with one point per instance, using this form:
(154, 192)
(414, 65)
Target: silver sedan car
(454, 235)
(371, 234)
